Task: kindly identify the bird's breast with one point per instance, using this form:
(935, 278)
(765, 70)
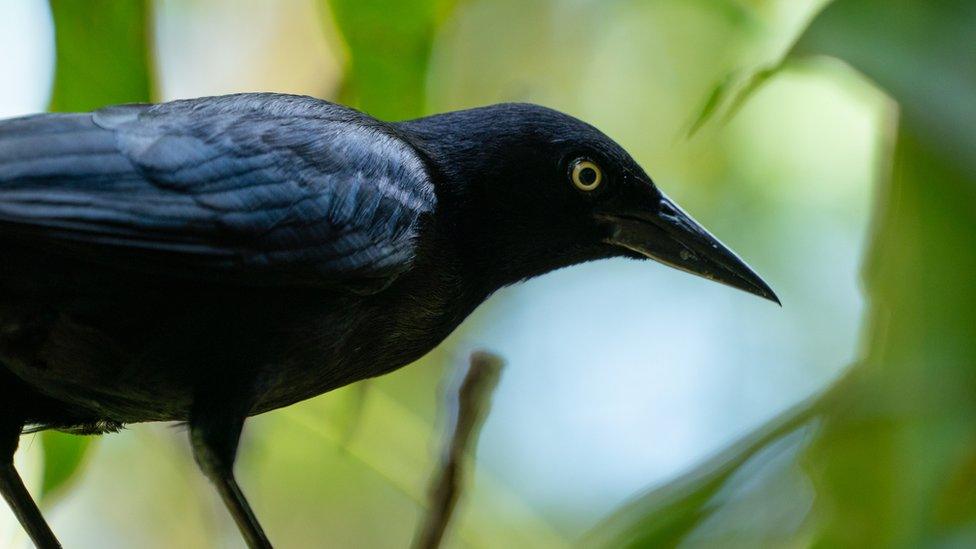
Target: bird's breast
(131, 352)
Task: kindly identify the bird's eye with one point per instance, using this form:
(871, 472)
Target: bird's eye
(586, 175)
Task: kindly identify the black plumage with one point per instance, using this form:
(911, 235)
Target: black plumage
(210, 259)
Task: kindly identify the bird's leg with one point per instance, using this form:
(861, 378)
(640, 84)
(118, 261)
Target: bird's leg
(15, 492)
(214, 437)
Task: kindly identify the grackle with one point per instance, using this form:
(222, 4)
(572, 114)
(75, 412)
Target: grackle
(211, 259)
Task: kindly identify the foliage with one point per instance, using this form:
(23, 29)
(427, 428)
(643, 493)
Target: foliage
(389, 43)
(891, 457)
(63, 455)
(102, 54)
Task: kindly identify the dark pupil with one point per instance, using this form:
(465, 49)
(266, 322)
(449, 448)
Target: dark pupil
(587, 176)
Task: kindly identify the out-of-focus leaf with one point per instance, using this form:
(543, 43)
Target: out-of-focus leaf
(732, 92)
(102, 53)
(890, 455)
(349, 418)
(102, 58)
(63, 457)
(752, 84)
(716, 98)
(895, 45)
(664, 516)
(736, 87)
(389, 44)
(892, 460)
(898, 451)
(921, 53)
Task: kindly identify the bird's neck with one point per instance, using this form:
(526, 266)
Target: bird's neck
(489, 250)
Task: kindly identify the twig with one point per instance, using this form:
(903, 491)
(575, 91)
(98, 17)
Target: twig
(471, 408)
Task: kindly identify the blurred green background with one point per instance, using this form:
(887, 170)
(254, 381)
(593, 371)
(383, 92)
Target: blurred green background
(832, 144)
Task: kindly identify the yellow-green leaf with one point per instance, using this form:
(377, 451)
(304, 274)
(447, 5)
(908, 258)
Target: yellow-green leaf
(102, 53)
(389, 44)
(63, 457)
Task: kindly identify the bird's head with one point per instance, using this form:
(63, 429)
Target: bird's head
(530, 189)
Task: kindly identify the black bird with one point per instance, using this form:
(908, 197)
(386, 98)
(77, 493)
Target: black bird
(210, 259)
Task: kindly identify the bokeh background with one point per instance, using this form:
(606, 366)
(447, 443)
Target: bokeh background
(832, 144)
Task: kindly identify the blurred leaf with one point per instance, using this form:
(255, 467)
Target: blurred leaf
(63, 456)
(890, 454)
(892, 461)
(664, 516)
(732, 92)
(892, 44)
(102, 57)
(389, 44)
(349, 417)
(752, 84)
(716, 98)
(734, 89)
(919, 52)
(102, 50)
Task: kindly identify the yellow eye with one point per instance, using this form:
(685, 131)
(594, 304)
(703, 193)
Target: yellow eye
(586, 175)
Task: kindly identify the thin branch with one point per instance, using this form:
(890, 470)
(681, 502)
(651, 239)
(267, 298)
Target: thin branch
(470, 410)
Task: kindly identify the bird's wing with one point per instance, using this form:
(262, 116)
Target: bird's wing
(259, 188)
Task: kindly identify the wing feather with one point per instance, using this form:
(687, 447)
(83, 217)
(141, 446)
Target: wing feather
(271, 189)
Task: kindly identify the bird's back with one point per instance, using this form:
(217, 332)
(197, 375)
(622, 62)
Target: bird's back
(258, 186)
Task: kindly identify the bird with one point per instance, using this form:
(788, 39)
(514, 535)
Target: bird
(206, 260)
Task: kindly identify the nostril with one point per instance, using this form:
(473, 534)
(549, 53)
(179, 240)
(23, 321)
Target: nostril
(667, 208)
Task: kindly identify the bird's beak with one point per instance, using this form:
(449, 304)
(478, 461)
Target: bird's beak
(672, 237)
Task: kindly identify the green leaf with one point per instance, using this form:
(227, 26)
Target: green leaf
(732, 92)
(750, 87)
(349, 417)
(63, 457)
(664, 516)
(389, 44)
(918, 52)
(739, 85)
(102, 53)
(716, 98)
